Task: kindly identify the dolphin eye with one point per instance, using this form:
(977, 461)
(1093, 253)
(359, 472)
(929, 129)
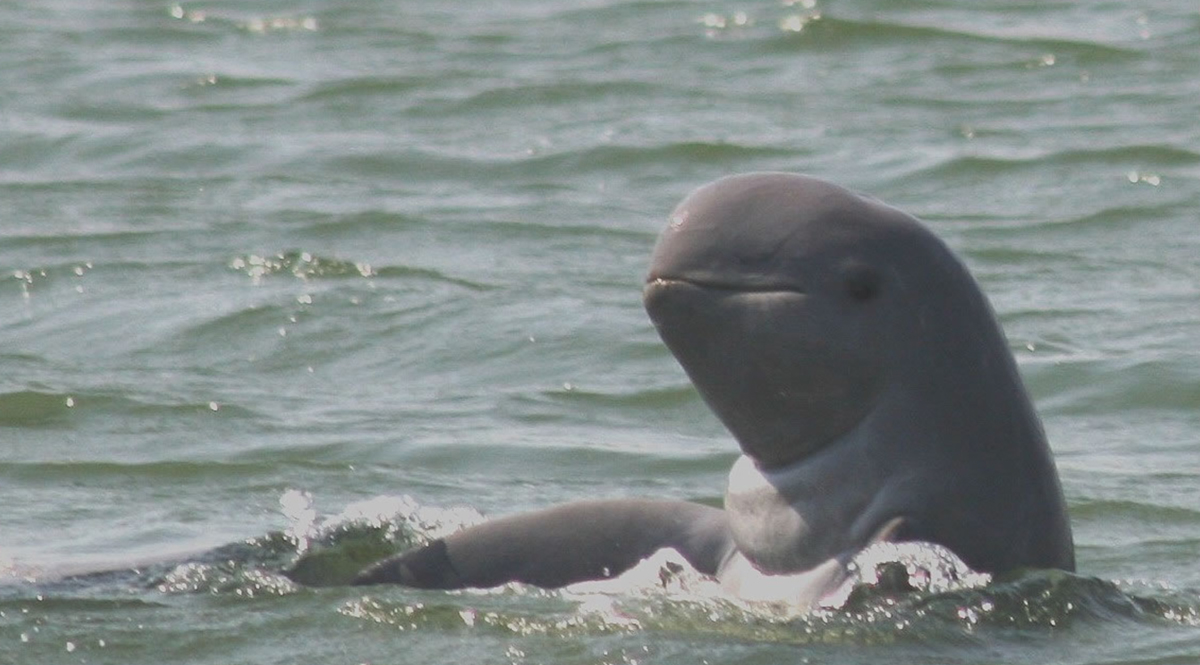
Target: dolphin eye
(862, 281)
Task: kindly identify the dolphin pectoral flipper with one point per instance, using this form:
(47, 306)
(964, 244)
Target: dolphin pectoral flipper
(575, 542)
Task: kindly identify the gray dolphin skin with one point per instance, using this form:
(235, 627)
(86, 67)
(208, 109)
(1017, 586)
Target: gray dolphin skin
(866, 380)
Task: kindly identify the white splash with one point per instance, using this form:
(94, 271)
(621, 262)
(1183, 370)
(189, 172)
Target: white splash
(930, 568)
(396, 514)
(297, 507)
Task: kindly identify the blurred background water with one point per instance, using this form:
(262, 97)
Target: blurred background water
(266, 268)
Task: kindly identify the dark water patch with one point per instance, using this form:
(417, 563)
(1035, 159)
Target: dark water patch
(399, 164)
(961, 167)
(410, 272)
(164, 411)
(37, 184)
(521, 165)
(115, 111)
(149, 25)
(1117, 218)
(1143, 155)
(551, 233)
(625, 456)
(622, 12)
(1042, 336)
(365, 91)
(368, 223)
(341, 455)
(1168, 554)
(649, 347)
(828, 30)
(642, 56)
(88, 284)
(1047, 346)
(569, 402)
(85, 409)
(31, 408)
(629, 407)
(469, 228)
(614, 157)
(164, 471)
(1138, 156)
(1004, 254)
(18, 362)
(257, 332)
(21, 599)
(212, 94)
(158, 31)
(181, 159)
(31, 149)
(1040, 599)
(647, 399)
(152, 29)
(116, 217)
(542, 95)
(1098, 383)
(1136, 511)
(222, 82)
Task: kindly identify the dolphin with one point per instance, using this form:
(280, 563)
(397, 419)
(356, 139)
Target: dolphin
(866, 380)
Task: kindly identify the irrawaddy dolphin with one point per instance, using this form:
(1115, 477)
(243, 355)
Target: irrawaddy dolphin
(866, 380)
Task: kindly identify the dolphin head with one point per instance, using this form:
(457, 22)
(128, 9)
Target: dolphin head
(792, 304)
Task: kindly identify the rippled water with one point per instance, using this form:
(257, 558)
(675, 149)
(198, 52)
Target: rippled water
(342, 274)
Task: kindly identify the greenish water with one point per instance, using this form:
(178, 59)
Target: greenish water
(356, 272)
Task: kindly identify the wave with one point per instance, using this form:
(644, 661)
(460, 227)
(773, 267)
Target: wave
(541, 163)
(829, 30)
(36, 408)
(974, 165)
(25, 408)
(1110, 382)
(900, 593)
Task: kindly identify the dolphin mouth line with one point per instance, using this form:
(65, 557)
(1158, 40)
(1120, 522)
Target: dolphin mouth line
(718, 285)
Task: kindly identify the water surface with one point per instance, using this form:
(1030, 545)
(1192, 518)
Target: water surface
(333, 269)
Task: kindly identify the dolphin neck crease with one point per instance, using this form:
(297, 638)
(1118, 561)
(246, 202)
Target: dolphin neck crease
(787, 518)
